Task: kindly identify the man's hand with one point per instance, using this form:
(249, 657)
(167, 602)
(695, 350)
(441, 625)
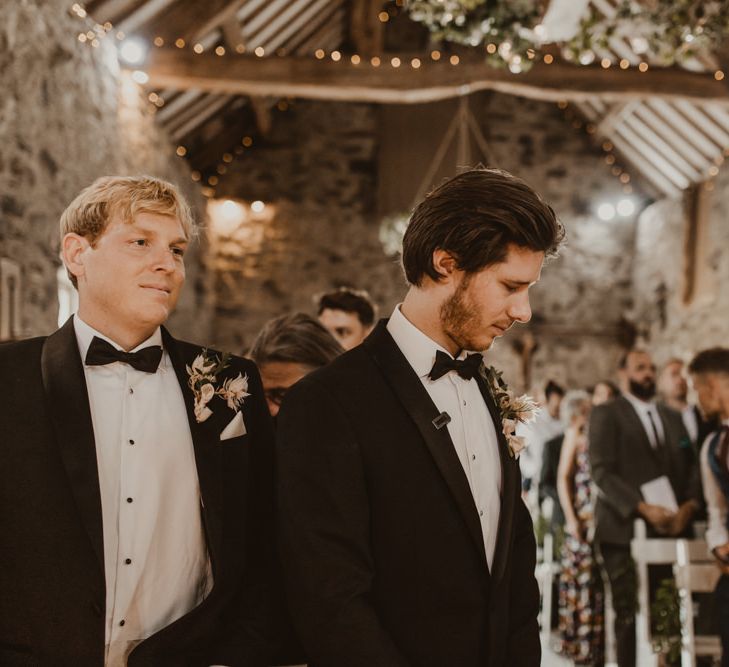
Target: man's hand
(721, 553)
(681, 518)
(576, 529)
(657, 516)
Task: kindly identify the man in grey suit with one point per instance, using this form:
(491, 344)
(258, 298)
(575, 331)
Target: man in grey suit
(634, 441)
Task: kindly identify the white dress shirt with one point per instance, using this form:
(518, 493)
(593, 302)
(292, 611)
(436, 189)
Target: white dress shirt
(716, 501)
(643, 409)
(691, 422)
(471, 428)
(155, 556)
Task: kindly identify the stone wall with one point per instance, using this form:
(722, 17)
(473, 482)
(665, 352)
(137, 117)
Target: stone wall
(67, 115)
(316, 172)
(671, 327)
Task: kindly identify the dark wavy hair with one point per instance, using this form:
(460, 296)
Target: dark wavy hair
(475, 216)
(349, 300)
(713, 360)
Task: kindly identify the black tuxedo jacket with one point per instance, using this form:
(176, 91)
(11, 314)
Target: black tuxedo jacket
(622, 458)
(52, 585)
(381, 544)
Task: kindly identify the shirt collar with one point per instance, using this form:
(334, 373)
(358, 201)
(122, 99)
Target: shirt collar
(85, 334)
(418, 348)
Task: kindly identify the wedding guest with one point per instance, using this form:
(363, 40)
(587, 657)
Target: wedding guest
(673, 390)
(581, 610)
(634, 441)
(603, 392)
(137, 468)
(710, 376)
(403, 534)
(286, 349)
(546, 426)
(572, 408)
(349, 314)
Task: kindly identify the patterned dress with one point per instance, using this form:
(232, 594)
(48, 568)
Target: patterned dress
(581, 604)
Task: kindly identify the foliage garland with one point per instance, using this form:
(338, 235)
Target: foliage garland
(670, 31)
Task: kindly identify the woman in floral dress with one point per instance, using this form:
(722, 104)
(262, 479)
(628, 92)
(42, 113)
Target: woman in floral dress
(581, 604)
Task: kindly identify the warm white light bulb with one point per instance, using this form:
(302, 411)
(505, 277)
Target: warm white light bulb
(133, 51)
(606, 211)
(257, 206)
(626, 207)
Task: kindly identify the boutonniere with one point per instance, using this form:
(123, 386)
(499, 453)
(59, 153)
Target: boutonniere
(512, 409)
(203, 380)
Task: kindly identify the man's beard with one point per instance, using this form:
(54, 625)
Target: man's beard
(643, 390)
(456, 317)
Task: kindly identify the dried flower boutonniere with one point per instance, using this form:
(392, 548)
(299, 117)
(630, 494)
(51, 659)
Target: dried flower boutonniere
(513, 409)
(203, 378)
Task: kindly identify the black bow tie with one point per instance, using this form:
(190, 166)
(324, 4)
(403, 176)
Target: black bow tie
(101, 353)
(466, 368)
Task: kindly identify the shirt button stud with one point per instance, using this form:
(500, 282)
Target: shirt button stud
(129, 500)
(464, 402)
(473, 457)
(131, 391)
(131, 442)
(122, 622)
(480, 512)
(128, 561)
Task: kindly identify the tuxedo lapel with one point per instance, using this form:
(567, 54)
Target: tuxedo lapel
(418, 404)
(64, 383)
(509, 482)
(206, 443)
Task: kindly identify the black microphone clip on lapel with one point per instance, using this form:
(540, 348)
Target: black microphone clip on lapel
(443, 419)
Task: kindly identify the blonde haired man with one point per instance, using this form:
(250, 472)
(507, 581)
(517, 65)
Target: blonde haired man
(136, 496)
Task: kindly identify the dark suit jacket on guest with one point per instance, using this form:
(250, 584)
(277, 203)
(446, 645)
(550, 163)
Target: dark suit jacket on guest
(621, 459)
(52, 585)
(548, 479)
(381, 542)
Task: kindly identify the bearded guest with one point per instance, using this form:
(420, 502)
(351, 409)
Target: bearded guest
(633, 441)
(404, 537)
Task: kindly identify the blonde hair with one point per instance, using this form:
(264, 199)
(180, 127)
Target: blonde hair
(123, 198)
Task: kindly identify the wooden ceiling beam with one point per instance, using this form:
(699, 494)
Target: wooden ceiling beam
(366, 31)
(310, 78)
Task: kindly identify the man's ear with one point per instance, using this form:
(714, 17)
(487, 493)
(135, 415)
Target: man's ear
(73, 251)
(444, 263)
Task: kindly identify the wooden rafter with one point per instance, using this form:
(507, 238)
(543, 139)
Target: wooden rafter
(309, 78)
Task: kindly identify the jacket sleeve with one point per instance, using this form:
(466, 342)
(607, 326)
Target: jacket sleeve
(523, 644)
(323, 522)
(603, 450)
(548, 474)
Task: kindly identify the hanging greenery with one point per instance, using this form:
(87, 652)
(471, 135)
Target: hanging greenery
(507, 24)
(670, 31)
(667, 31)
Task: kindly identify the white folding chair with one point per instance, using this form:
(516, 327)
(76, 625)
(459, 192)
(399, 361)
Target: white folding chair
(695, 572)
(647, 551)
(546, 571)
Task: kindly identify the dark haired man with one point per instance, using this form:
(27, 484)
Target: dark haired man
(709, 372)
(348, 314)
(404, 537)
(633, 441)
